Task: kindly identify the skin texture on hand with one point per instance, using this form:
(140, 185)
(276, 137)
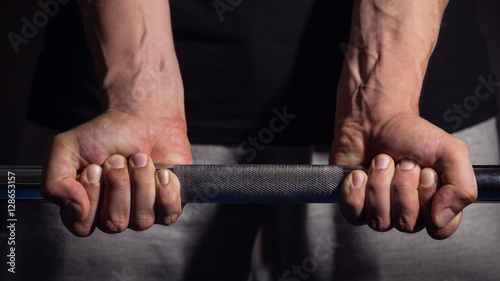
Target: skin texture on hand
(419, 176)
(126, 191)
(118, 186)
(143, 123)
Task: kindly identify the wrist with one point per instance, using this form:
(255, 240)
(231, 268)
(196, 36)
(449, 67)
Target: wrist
(365, 108)
(133, 50)
(144, 90)
(389, 49)
(360, 100)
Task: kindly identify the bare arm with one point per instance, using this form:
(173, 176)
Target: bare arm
(377, 118)
(391, 43)
(132, 45)
(142, 123)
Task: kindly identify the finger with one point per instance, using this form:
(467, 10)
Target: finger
(459, 187)
(90, 178)
(142, 181)
(427, 188)
(405, 207)
(59, 184)
(429, 183)
(378, 193)
(115, 208)
(352, 198)
(168, 198)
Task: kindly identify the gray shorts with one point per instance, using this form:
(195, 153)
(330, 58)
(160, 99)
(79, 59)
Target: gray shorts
(258, 242)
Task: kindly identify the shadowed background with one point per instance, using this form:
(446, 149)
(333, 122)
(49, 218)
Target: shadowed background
(17, 69)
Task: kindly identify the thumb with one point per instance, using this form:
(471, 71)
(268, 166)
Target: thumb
(59, 184)
(459, 187)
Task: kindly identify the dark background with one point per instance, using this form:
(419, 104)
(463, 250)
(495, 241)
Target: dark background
(17, 69)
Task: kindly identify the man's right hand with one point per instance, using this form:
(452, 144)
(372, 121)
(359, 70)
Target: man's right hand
(143, 123)
(118, 186)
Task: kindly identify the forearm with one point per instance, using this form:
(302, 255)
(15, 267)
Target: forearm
(390, 46)
(135, 60)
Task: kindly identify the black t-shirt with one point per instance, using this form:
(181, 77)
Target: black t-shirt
(267, 69)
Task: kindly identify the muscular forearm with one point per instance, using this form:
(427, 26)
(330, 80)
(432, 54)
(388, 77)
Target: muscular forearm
(418, 174)
(390, 45)
(133, 49)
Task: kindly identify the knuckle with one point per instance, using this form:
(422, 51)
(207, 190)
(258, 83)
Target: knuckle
(442, 197)
(170, 218)
(405, 224)
(119, 184)
(377, 187)
(405, 183)
(77, 228)
(141, 222)
(115, 224)
(461, 197)
(468, 195)
(82, 230)
(379, 181)
(404, 186)
(143, 183)
(379, 223)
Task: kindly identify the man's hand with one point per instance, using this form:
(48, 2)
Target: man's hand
(143, 123)
(423, 178)
(126, 191)
(419, 175)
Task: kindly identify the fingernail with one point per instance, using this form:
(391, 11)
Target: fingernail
(140, 160)
(446, 216)
(427, 178)
(94, 174)
(163, 177)
(382, 162)
(357, 179)
(406, 164)
(73, 209)
(116, 162)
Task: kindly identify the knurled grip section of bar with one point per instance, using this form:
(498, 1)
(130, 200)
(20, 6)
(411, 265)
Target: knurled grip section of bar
(253, 183)
(259, 183)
